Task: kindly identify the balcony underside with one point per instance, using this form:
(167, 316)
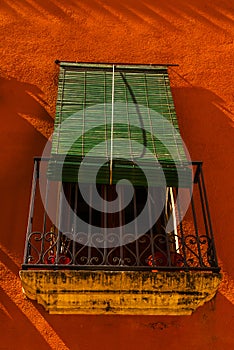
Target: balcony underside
(120, 292)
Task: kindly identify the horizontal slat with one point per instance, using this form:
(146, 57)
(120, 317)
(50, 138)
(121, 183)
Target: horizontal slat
(145, 87)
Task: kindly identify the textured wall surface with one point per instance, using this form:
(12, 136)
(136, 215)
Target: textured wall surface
(196, 34)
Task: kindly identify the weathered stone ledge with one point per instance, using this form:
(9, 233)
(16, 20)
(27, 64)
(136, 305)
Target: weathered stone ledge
(117, 292)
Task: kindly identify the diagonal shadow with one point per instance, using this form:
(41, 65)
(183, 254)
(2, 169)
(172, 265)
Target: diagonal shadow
(208, 133)
(153, 15)
(43, 9)
(141, 13)
(13, 326)
(20, 141)
(10, 263)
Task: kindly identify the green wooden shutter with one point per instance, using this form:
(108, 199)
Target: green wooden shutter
(141, 93)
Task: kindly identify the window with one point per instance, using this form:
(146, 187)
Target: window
(117, 199)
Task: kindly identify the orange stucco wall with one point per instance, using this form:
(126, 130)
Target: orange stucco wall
(196, 34)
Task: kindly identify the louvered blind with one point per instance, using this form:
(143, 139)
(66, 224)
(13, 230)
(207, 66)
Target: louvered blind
(142, 141)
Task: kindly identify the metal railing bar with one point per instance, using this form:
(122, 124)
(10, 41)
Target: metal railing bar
(151, 229)
(90, 221)
(196, 229)
(136, 227)
(75, 225)
(118, 268)
(209, 218)
(181, 231)
(105, 229)
(58, 243)
(31, 208)
(167, 234)
(121, 225)
(203, 207)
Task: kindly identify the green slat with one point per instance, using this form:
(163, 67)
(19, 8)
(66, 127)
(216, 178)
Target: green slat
(82, 86)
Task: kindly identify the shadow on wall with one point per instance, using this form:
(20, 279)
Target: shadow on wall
(208, 133)
(16, 328)
(25, 100)
(145, 11)
(22, 116)
(22, 326)
(42, 8)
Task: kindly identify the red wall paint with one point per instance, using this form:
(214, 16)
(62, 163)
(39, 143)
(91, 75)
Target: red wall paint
(195, 34)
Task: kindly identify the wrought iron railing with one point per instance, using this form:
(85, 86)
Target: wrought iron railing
(189, 245)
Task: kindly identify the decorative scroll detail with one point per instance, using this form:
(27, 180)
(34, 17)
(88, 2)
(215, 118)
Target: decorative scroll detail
(34, 247)
(43, 248)
(73, 249)
(49, 254)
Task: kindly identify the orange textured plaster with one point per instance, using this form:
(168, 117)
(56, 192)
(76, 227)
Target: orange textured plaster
(196, 34)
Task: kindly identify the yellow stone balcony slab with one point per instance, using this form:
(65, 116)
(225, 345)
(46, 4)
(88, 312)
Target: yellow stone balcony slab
(119, 292)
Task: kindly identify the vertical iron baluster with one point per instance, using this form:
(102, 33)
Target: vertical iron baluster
(196, 228)
(90, 224)
(120, 226)
(166, 234)
(44, 220)
(203, 214)
(173, 208)
(211, 235)
(31, 209)
(105, 224)
(203, 207)
(75, 225)
(151, 228)
(136, 228)
(59, 220)
(68, 215)
(181, 230)
(45, 206)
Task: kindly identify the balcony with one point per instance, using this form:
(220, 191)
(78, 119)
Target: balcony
(171, 269)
